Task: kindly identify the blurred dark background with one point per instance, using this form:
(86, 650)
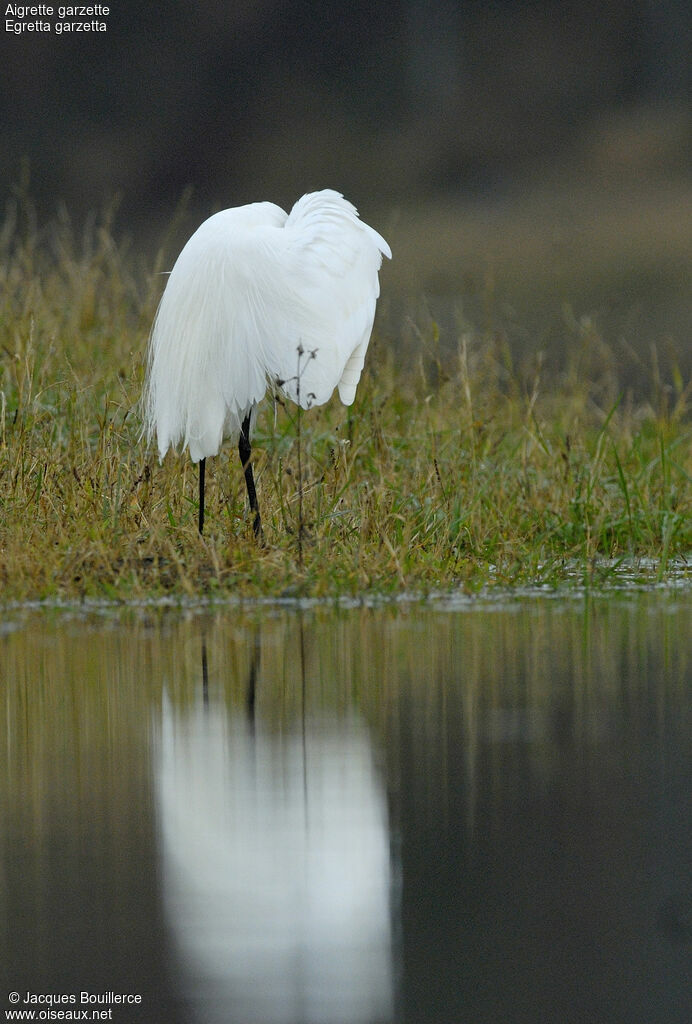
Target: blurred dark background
(272, 98)
(487, 138)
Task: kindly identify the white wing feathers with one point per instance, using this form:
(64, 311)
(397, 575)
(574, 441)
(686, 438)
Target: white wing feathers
(252, 287)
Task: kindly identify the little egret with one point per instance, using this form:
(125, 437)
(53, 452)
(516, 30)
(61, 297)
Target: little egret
(259, 297)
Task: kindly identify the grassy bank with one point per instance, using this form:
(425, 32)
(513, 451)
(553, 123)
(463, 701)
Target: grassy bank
(447, 471)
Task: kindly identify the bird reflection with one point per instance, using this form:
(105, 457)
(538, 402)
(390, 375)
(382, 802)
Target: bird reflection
(276, 867)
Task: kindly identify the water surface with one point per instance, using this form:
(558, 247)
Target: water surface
(462, 812)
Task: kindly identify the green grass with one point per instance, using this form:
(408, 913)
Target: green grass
(448, 471)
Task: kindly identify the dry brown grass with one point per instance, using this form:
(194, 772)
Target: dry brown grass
(459, 465)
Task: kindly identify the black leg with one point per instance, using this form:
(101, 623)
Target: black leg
(245, 451)
(202, 467)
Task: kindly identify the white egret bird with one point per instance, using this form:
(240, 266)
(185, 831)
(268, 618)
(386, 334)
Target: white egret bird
(252, 289)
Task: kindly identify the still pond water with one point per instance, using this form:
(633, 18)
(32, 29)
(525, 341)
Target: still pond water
(458, 812)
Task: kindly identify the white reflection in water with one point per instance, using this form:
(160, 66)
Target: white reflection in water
(276, 870)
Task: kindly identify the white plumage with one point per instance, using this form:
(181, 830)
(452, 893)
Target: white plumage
(251, 287)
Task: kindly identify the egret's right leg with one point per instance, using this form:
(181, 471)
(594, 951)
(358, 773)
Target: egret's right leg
(245, 452)
(202, 467)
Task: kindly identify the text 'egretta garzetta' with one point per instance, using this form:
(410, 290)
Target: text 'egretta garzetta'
(259, 297)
